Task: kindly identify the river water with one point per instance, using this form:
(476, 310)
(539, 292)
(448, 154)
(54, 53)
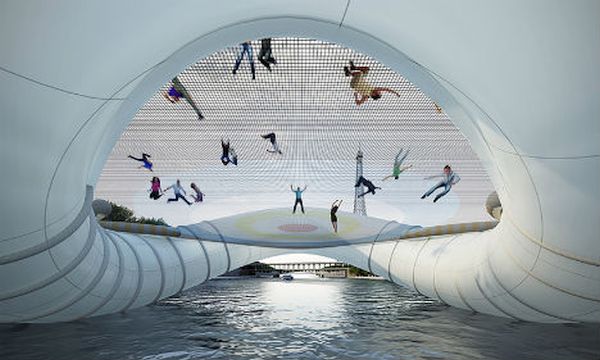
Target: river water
(301, 319)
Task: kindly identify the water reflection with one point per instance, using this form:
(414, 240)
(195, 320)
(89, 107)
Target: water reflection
(302, 319)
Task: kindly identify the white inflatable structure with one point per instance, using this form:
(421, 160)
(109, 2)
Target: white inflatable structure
(520, 79)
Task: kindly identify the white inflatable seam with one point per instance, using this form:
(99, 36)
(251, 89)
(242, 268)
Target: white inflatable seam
(183, 270)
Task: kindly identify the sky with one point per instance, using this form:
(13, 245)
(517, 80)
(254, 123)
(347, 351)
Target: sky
(306, 100)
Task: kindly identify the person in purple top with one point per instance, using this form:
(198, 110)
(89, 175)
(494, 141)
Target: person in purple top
(178, 91)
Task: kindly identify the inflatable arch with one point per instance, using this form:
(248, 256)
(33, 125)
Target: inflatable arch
(518, 79)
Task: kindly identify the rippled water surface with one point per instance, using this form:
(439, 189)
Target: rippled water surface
(302, 319)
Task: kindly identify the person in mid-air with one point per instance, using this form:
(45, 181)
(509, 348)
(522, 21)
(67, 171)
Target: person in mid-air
(398, 168)
(371, 188)
(298, 193)
(155, 189)
(228, 155)
(199, 197)
(265, 56)
(333, 214)
(178, 91)
(362, 89)
(449, 179)
(179, 193)
(246, 49)
(273, 140)
(144, 159)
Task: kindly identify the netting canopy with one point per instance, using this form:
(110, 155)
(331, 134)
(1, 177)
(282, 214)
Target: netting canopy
(306, 100)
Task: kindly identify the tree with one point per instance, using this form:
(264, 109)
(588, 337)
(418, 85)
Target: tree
(124, 214)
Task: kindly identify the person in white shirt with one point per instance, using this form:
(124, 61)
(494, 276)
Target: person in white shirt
(449, 179)
(179, 192)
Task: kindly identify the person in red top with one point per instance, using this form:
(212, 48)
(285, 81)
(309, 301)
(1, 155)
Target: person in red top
(155, 189)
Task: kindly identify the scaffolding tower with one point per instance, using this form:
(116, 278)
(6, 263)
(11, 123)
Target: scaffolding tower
(359, 202)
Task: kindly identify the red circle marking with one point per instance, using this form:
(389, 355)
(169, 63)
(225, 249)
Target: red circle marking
(297, 227)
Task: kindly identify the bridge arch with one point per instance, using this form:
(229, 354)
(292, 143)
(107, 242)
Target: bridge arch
(57, 264)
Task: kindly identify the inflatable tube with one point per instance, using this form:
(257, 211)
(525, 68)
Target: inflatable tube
(512, 78)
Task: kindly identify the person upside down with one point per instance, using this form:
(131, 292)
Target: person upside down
(398, 168)
(363, 90)
(371, 188)
(449, 179)
(229, 155)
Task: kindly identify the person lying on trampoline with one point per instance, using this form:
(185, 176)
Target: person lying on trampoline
(362, 89)
(449, 179)
(179, 193)
(333, 214)
(178, 91)
(398, 168)
(265, 56)
(298, 193)
(246, 49)
(272, 138)
(228, 155)
(155, 189)
(371, 188)
(199, 197)
(146, 163)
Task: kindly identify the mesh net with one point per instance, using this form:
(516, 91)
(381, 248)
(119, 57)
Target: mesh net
(307, 101)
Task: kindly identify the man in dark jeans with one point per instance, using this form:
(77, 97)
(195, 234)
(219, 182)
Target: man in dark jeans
(265, 56)
(246, 49)
(298, 198)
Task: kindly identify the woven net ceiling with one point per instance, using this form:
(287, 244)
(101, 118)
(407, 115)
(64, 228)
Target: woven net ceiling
(307, 101)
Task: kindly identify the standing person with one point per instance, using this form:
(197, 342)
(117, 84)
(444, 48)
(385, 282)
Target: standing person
(265, 56)
(333, 213)
(362, 89)
(449, 179)
(199, 194)
(298, 193)
(246, 49)
(371, 188)
(273, 139)
(178, 91)
(225, 159)
(155, 189)
(179, 192)
(397, 169)
(146, 163)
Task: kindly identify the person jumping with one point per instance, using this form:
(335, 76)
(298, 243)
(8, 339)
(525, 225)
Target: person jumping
(199, 194)
(368, 184)
(273, 139)
(146, 163)
(178, 191)
(246, 49)
(362, 89)
(298, 193)
(228, 155)
(333, 214)
(265, 56)
(178, 91)
(398, 165)
(155, 189)
(449, 179)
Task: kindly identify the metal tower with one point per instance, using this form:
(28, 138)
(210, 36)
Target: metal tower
(359, 202)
